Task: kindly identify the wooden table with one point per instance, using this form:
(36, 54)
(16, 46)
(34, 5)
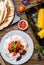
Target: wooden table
(33, 60)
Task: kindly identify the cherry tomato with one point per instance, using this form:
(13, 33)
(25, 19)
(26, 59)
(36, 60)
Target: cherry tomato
(39, 1)
(21, 9)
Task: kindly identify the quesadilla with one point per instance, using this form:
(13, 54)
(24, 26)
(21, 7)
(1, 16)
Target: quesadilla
(1, 11)
(9, 15)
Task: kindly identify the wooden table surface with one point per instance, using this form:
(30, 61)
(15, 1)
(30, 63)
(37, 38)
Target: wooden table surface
(33, 60)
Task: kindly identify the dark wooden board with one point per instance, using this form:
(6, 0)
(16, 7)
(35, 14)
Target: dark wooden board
(32, 15)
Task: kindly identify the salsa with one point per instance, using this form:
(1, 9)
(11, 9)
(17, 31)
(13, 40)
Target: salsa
(22, 24)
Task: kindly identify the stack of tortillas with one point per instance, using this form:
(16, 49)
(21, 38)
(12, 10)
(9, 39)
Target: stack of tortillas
(6, 13)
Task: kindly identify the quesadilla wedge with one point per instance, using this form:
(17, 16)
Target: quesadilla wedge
(1, 11)
(10, 14)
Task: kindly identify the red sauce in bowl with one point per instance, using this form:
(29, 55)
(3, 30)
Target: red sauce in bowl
(23, 25)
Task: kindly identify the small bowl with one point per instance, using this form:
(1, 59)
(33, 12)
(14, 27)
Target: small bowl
(22, 24)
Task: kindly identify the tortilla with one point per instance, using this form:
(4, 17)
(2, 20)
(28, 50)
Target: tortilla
(1, 11)
(5, 14)
(10, 14)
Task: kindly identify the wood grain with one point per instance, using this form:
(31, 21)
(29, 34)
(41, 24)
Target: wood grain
(33, 60)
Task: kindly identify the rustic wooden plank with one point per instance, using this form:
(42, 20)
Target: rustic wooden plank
(19, 3)
(2, 61)
(35, 62)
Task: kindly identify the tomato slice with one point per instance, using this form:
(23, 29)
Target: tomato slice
(20, 51)
(14, 53)
(10, 46)
(18, 44)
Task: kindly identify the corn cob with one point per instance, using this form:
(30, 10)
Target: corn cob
(40, 22)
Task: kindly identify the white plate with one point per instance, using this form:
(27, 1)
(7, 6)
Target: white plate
(30, 47)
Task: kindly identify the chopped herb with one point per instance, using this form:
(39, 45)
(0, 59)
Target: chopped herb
(36, 48)
(15, 47)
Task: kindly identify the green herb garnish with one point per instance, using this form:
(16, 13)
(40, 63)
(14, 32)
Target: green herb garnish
(43, 51)
(36, 48)
(15, 47)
